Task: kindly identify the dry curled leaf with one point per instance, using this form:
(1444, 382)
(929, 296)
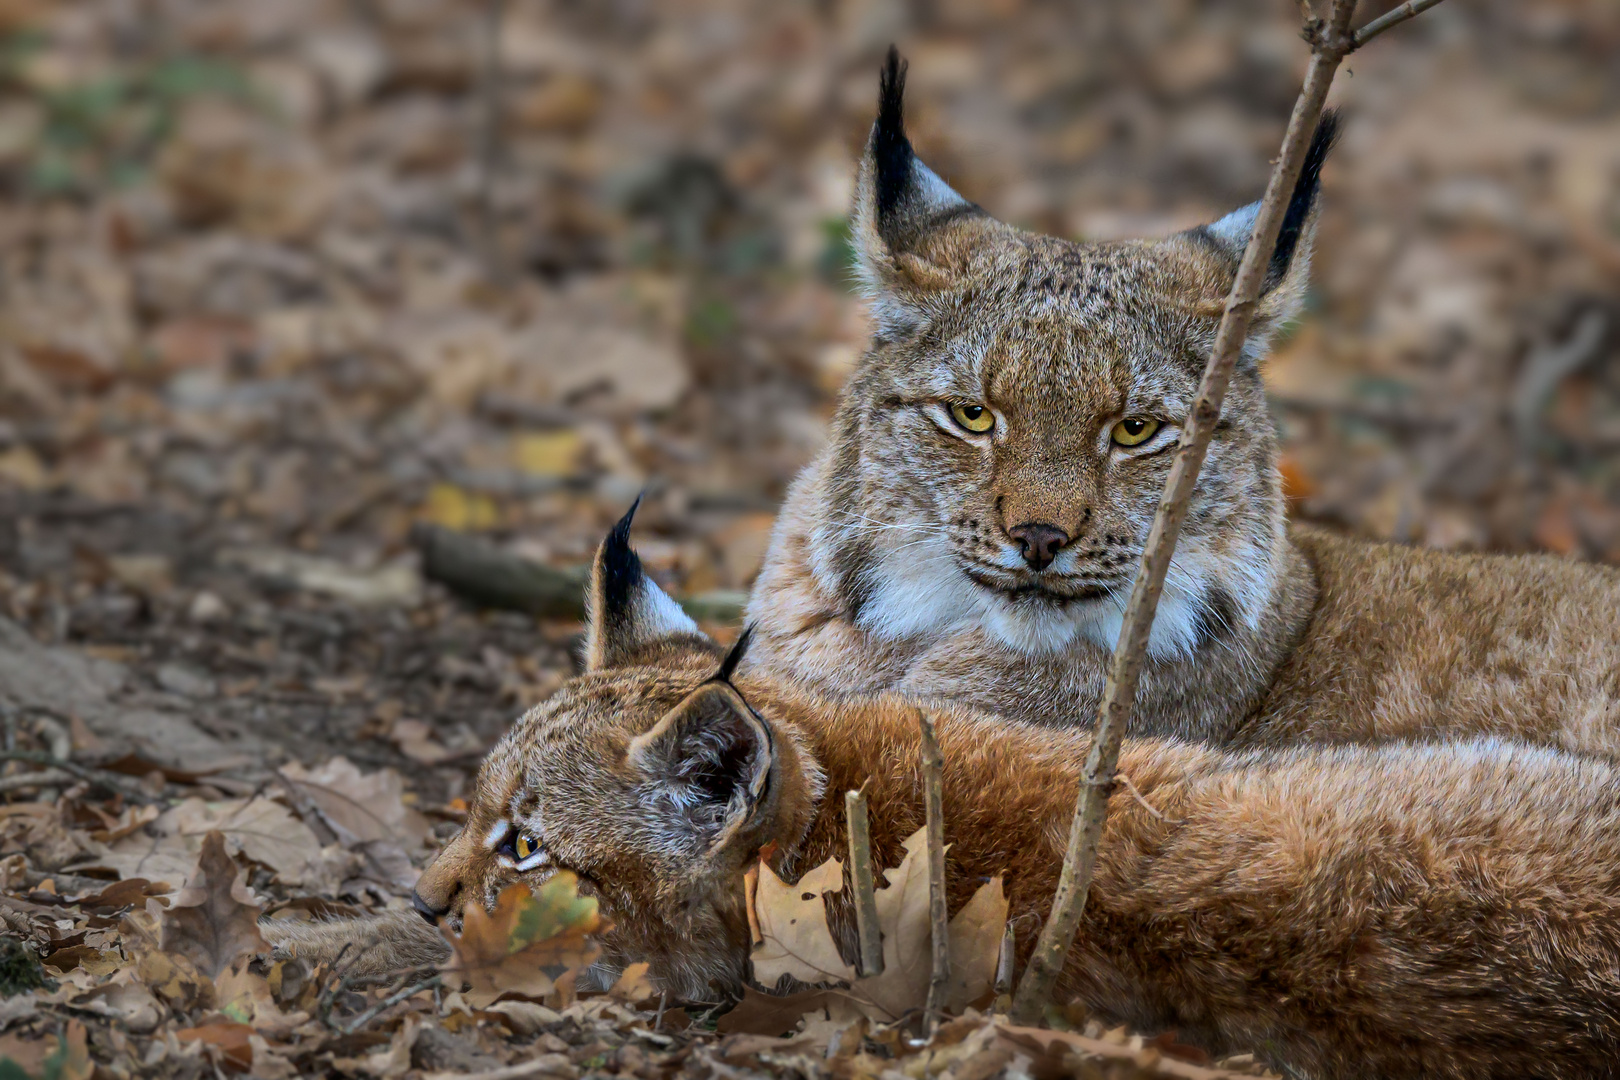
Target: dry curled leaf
(529, 944)
(229, 1038)
(215, 918)
(796, 940)
(975, 936)
(633, 984)
(793, 929)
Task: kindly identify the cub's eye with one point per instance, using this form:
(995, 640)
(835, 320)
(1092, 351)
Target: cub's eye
(524, 850)
(1134, 430)
(974, 418)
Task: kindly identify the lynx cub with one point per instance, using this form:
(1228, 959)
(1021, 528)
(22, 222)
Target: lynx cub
(1349, 911)
(973, 527)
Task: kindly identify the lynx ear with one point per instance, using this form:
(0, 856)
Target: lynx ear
(913, 233)
(1283, 292)
(625, 609)
(710, 758)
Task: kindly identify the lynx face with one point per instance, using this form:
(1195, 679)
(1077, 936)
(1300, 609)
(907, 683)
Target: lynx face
(649, 777)
(1000, 453)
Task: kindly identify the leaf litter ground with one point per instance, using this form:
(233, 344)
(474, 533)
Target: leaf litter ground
(264, 326)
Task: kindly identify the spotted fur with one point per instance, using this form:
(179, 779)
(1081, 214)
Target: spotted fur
(894, 564)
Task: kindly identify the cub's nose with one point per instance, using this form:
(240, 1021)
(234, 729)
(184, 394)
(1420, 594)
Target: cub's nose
(425, 909)
(1039, 542)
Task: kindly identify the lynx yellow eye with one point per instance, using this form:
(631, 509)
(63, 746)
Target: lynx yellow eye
(525, 845)
(1134, 430)
(974, 418)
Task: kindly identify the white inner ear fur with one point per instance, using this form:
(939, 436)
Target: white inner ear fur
(1235, 228)
(658, 615)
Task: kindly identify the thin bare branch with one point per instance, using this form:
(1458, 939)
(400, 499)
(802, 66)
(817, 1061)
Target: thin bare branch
(124, 786)
(389, 1002)
(863, 883)
(1410, 9)
(42, 779)
(1330, 41)
(933, 766)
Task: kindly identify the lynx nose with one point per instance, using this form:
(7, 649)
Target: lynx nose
(425, 909)
(1039, 542)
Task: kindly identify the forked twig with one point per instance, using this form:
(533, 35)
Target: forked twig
(1408, 10)
(933, 767)
(862, 881)
(111, 781)
(1330, 42)
(389, 1002)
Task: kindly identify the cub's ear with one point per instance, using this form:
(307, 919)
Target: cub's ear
(1283, 292)
(625, 609)
(710, 759)
(913, 233)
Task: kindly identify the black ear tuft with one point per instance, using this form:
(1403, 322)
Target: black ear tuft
(734, 656)
(1304, 196)
(620, 566)
(891, 149)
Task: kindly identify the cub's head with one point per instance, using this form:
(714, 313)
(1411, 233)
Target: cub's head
(651, 778)
(1000, 452)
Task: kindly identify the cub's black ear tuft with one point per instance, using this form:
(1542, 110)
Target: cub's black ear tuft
(625, 609)
(892, 155)
(620, 566)
(734, 655)
(1303, 199)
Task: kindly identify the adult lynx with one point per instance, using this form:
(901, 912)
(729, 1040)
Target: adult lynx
(973, 527)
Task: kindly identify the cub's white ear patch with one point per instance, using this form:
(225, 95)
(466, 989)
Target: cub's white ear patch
(626, 609)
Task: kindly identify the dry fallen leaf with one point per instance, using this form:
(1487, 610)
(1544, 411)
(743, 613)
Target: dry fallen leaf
(908, 959)
(231, 1038)
(793, 927)
(215, 918)
(633, 985)
(528, 944)
(262, 829)
(975, 942)
(359, 806)
(64, 1057)
(796, 941)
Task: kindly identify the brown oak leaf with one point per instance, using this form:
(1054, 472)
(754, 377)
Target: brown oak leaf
(529, 944)
(792, 919)
(214, 919)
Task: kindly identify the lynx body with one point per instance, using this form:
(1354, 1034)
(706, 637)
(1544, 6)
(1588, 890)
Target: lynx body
(1393, 911)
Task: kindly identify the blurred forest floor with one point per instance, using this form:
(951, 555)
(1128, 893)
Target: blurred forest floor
(281, 281)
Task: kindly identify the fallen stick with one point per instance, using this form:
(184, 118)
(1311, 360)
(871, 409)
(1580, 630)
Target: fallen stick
(933, 766)
(863, 884)
(1331, 41)
(483, 574)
